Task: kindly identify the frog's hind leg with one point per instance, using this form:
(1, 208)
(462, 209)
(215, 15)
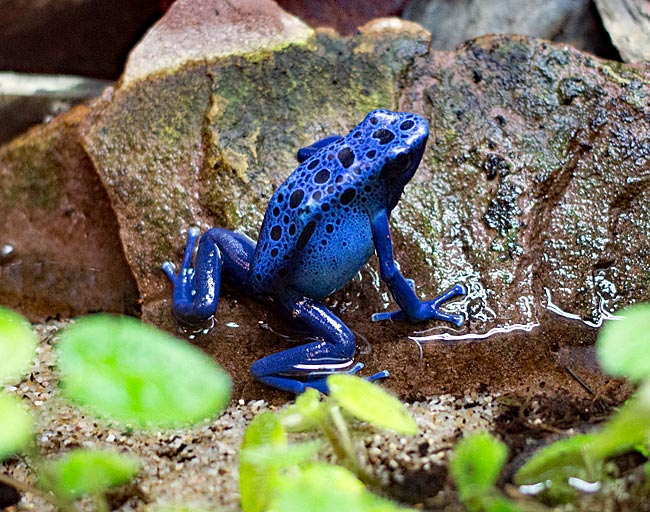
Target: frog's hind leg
(196, 289)
(308, 365)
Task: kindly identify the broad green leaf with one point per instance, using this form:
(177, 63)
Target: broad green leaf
(256, 482)
(279, 456)
(629, 427)
(305, 413)
(182, 507)
(17, 345)
(15, 425)
(370, 403)
(82, 472)
(499, 503)
(477, 463)
(557, 461)
(623, 346)
(133, 372)
(326, 488)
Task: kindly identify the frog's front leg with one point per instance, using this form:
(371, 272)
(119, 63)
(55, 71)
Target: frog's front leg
(403, 291)
(196, 289)
(308, 365)
(306, 152)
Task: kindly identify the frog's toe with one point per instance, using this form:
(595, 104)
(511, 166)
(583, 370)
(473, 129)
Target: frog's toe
(170, 269)
(388, 315)
(384, 374)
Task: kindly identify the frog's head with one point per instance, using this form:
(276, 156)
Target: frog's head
(399, 138)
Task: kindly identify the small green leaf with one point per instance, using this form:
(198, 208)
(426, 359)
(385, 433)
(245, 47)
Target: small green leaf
(557, 461)
(629, 427)
(133, 372)
(17, 345)
(477, 463)
(256, 482)
(279, 456)
(623, 346)
(83, 472)
(305, 413)
(15, 425)
(326, 488)
(370, 403)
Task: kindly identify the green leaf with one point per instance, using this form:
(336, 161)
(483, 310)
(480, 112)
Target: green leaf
(370, 403)
(557, 461)
(256, 482)
(629, 427)
(133, 372)
(623, 346)
(326, 488)
(279, 456)
(82, 472)
(15, 425)
(17, 345)
(477, 463)
(305, 413)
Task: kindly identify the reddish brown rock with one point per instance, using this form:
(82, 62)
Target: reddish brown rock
(66, 255)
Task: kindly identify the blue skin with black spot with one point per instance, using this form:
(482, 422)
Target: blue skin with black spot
(321, 226)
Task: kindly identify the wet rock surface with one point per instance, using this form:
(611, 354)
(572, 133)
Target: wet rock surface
(533, 190)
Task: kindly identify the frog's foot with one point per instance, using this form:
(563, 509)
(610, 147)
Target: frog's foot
(317, 380)
(184, 306)
(309, 365)
(428, 310)
(196, 290)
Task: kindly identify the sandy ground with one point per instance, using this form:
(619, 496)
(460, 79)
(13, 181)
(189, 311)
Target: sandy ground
(199, 466)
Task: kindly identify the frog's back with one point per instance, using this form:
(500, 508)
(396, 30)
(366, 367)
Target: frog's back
(316, 233)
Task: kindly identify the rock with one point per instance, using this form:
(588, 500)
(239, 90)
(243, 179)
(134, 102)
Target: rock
(532, 191)
(27, 99)
(62, 255)
(628, 24)
(202, 31)
(344, 16)
(569, 21)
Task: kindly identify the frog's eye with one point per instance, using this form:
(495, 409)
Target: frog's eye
(383, 136)
(396, 166)
(406, 125)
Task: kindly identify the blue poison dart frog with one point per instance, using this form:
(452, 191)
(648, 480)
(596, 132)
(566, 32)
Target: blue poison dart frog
(321, 226)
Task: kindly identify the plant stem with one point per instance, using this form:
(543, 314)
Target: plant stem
(336, 430)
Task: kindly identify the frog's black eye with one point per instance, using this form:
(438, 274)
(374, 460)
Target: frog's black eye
(395, 166)
(406, 125)
(296, 198)
(383, 136)
(346, 157)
